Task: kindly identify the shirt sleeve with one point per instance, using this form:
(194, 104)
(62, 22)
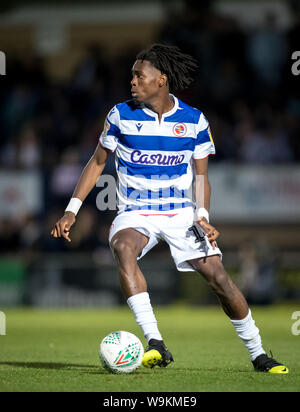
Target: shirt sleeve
(111, 131)
(204, 143)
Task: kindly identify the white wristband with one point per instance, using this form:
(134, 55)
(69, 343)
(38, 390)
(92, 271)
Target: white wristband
(201, 212)
(74, 205)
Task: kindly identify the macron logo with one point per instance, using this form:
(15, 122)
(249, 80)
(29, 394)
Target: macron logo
(139, 126)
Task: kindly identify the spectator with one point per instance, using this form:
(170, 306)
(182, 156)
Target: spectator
(29, 152)
(263, 145)
(257, 277)
(267, 52)
(65, 176)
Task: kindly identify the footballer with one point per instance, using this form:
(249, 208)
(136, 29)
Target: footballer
(161, 146)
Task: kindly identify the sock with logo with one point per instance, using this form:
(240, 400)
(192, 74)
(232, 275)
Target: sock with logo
(249, 335)
(141, 307)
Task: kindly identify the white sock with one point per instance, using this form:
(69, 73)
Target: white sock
(249, 334)
(141, 307)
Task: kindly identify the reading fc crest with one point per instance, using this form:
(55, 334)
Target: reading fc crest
(180, 129)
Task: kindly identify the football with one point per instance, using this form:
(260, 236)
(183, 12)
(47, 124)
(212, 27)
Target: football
(121, 352)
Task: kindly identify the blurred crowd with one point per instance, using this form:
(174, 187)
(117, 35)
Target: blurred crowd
(244, 86)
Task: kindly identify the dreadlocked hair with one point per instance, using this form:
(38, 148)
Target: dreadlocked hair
(176, 65)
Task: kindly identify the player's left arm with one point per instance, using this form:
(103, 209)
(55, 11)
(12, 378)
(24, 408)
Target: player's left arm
(202, 191)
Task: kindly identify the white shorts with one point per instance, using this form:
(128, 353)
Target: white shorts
(170, 227)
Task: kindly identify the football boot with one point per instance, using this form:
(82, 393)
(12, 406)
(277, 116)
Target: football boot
(157, 354)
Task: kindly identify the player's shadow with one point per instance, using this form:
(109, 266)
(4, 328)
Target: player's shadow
(231, 370)
(56, 365)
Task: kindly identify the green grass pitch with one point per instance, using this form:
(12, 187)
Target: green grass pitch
(57, 351)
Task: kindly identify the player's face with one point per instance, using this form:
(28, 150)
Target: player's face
(145, 83)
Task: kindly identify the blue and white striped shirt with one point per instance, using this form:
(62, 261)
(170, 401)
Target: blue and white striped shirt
(154, 159)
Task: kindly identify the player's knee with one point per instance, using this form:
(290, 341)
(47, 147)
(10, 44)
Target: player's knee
(122, 248)
(220, 282)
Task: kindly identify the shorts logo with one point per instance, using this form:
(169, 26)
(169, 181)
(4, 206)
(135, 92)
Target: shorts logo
(179, 129)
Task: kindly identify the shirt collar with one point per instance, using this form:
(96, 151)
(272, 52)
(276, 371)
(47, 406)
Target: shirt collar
(167, 114)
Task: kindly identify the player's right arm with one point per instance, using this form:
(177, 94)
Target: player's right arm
(86, 183)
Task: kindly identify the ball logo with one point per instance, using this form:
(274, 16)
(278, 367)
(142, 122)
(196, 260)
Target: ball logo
(123, 360)
(179, 129)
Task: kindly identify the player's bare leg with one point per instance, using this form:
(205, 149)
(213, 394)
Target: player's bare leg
(127, 245)
(231, 298)
(235, 306)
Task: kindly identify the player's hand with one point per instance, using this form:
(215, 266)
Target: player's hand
(63, 226)
(210, 231)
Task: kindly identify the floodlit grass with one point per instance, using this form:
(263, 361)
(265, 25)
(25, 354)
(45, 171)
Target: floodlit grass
(57, 351)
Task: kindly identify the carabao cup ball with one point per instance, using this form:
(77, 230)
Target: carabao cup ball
(121, 352)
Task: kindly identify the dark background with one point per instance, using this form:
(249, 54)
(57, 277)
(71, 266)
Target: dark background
(62, 77)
